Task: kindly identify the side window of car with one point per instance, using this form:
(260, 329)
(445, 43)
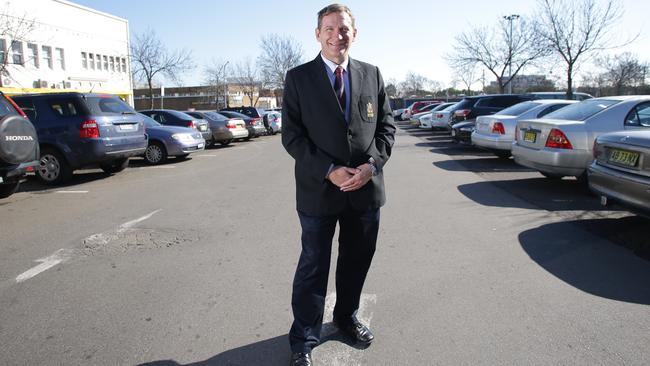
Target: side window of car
(28, 107)
(639, 116)
(484, 102)
(64, 108)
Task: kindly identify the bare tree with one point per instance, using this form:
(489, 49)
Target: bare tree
(391, 88)
(576, 29)
(279, 55)
(414, 84)
(465, 74)
(499, 50)
(624, 72)
(247, 76)
(149, 58)
(216, 76)
(16, 29)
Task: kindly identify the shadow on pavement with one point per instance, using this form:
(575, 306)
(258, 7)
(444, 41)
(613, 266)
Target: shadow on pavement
(548, 194)
(592, 266)
(490, 164)
(32, 184)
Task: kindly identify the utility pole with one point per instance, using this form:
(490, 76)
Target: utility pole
(510, 18)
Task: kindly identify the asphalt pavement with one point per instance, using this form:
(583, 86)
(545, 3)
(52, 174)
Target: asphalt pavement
(479, 262)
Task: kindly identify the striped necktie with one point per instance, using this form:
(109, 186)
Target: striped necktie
(339, 88)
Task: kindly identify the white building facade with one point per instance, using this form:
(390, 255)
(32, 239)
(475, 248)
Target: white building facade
(69, 48)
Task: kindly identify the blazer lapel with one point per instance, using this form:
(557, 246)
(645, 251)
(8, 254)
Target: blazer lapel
(356, 81)
(325, 90)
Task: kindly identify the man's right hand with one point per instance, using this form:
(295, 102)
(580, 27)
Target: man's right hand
(341, 174)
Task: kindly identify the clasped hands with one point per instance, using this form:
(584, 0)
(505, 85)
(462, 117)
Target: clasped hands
(350, 179)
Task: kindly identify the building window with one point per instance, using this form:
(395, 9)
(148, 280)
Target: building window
(47, 56)
(60, 58)
(32, 53)
(3, 50)
(17, 52)
(112, 62)
(91, 61)
(105, 58)
(123, 65)
(84, 60)
(98, 60)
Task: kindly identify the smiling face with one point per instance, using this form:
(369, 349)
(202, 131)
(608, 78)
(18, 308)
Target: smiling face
(336, 34)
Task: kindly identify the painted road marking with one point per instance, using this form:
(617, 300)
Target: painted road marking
(58, 257)
(71, 191)
(63, 255)
(158, 167)
(209, 155)
(336, 354)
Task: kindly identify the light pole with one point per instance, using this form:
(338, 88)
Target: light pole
(510, 18)
(225, 92)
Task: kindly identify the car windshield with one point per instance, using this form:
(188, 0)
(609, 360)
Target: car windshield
(108, 105)
(518, 109)
(149, 122)
(583, 110)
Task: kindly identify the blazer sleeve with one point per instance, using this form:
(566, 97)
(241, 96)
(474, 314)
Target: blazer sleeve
(295, 137)
(384, 139)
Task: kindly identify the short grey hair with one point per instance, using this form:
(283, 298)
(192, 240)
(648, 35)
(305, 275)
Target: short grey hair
(334, 8)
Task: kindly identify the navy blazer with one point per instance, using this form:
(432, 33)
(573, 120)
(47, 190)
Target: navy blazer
(316, 135)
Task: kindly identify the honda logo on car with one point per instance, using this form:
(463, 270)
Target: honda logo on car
(19, 138)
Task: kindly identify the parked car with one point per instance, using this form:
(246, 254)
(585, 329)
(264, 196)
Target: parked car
(497, 132)
(558, 95)
(620, 172)
(256, 114)
(461, 132)
(254, 126)
(218, 126)
(167, 141)
(425, 118)
(397, 113)
(19, 152)
(471, 107)
(560, 144)
(416, 107)
(237, 127)
(273, 122)
(441, 119)
(170, 117)
(77, 130)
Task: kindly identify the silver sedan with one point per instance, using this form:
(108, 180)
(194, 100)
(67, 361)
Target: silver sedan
(561, 143)
(497, 132)
(621, 170)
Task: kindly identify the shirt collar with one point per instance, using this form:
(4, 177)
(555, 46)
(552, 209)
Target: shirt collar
(332, 66)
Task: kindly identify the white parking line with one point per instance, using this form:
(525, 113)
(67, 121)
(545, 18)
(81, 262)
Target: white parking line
(71, 191)
(157, 167)
(58, 257)
(344, 355)
(63, 255)
(202, 155)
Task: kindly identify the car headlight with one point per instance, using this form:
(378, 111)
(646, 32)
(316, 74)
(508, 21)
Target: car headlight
(183, 137)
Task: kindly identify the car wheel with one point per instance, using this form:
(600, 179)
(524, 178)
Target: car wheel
(503, 154)
(155, 153)
(247, 138)
(225, 142)
(8, 189)
(53, 169)
(552, 176)
(115, 166)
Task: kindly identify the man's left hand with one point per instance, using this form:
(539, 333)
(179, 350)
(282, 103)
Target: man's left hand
(358, 180)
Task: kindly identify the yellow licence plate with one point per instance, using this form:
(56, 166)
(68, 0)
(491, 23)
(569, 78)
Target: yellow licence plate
(622, 157)
(530, 136)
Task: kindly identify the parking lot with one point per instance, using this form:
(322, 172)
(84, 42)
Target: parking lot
(479, 261)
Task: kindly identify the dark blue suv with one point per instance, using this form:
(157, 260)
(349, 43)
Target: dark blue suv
(77, 130)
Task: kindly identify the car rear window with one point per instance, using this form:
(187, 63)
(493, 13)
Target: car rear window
(583, 110)
(181, 115)
(518, 109)
(6, 108)
(107, 106)
(216, 116)
(466, 103)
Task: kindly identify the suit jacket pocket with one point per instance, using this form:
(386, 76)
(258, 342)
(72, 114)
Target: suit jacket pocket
(368, 109)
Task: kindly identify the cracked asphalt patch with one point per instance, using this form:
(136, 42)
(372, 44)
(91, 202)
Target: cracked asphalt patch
(137, 239)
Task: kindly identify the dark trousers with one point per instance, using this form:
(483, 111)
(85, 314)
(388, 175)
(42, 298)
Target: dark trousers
(357, 240)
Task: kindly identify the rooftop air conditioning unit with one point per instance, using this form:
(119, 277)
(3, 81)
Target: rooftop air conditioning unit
(43, 84)
(68, 85)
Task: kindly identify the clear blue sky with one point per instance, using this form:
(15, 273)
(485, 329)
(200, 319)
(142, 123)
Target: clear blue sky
(397, 36)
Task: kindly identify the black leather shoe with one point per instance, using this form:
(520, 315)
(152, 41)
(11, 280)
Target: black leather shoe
(301, 359)
(357, 331)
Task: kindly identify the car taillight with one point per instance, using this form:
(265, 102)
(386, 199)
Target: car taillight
(191, 124)
(557, 139)
(498, 128)
(89, 129)
(231, 125)
(17, 108)
(255, 121)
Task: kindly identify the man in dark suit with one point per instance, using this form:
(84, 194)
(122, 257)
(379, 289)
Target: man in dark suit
(338, 127)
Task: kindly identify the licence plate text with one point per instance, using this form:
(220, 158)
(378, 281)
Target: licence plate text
(530, 136)
(627, 158)
(127, 127)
